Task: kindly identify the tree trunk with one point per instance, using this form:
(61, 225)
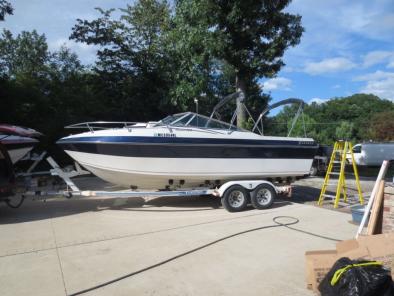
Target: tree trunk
(241, 116)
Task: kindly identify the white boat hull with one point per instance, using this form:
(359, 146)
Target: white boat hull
(155, 173)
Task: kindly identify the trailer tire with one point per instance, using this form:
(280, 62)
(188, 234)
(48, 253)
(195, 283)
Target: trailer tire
(313, 171)
(235, 198)
(263, 196)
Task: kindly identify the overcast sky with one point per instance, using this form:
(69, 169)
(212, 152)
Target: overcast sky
(347, 47)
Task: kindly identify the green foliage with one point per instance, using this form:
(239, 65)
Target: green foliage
(253, 35)
(41, 89)
(24, 55)
(190, 43)
(360, 117)
(132, 67)
(300, 128)
(5, 8)
(381, 126)
(344, 130)
(240, 40)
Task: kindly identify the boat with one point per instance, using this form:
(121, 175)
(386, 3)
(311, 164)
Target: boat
(186, 150)
(18, 140)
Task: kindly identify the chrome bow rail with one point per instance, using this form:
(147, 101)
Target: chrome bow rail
(102, 125)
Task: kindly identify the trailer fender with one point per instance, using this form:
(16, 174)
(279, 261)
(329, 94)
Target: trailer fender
(248, 184)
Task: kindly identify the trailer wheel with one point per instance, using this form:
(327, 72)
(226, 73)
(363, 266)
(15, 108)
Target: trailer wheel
(235, 198)
(313, 171)
(263, 196)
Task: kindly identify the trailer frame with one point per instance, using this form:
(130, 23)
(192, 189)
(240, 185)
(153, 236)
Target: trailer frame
(247, 191)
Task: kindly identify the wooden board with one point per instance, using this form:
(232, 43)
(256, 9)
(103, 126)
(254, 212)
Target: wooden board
(376, 212)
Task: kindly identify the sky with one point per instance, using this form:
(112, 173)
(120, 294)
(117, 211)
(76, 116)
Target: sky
(347, 46)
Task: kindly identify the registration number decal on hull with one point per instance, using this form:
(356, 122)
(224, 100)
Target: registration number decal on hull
(165, 135)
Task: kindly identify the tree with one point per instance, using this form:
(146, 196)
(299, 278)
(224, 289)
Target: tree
(360, 117)
(25, 54)
(250, 37)
(190, 45)
(344, 131)
(5, 8)
(280, 125)
(64, 64)
(23, 68)
(37, 86)
(304, 127)
(132, 66)
(381, 126)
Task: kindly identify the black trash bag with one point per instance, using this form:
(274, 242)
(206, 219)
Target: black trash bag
(368, 279)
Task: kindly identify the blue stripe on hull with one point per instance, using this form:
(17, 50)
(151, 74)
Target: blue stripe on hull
(175, 140)
(175, 150)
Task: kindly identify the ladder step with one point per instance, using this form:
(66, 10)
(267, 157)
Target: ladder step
(336, 161)
(328, 195)
(333, 173)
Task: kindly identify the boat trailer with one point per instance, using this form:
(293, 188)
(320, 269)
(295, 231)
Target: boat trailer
(235, 195)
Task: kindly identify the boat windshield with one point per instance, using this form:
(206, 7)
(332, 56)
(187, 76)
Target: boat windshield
(191, 119)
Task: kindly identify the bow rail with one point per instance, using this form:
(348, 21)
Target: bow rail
(102, 125)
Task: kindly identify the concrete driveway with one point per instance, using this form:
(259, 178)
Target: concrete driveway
(60, 247)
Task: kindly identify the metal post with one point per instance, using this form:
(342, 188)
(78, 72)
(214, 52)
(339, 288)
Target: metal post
(65, 176)
(36, 162)
(196, 102)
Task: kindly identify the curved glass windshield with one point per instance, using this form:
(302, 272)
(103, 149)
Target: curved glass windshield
(191, 119)
(170, 119)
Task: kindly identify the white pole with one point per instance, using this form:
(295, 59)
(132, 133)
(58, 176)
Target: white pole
(382, 173)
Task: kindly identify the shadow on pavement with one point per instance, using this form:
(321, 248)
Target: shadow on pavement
(304, 194)
(60, 207)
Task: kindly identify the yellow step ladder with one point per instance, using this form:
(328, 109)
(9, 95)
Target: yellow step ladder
(338, 157)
